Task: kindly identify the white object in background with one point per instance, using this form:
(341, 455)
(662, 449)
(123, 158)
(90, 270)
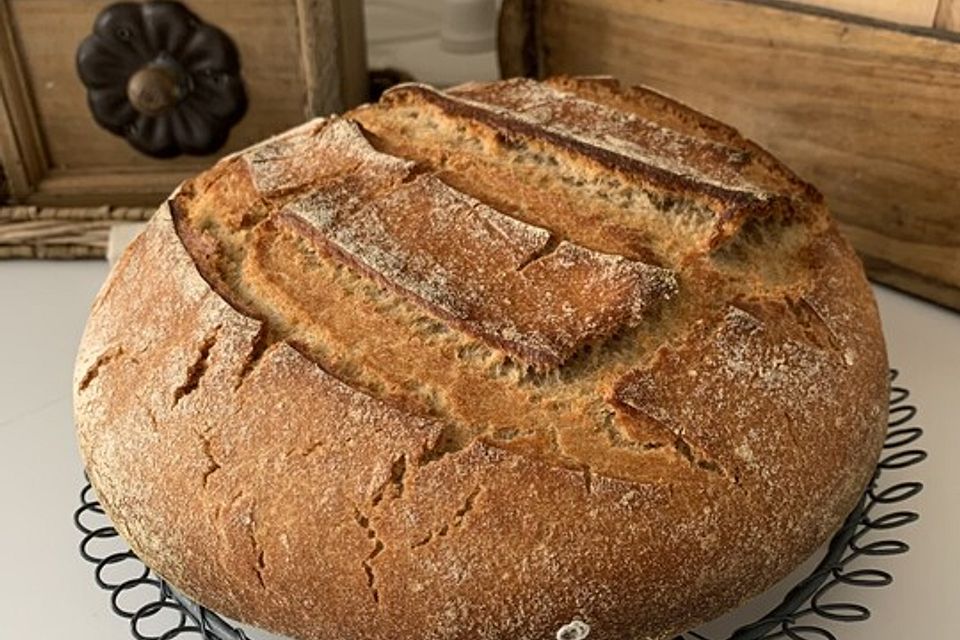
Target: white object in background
(469, 26)
(393, 21)
(122, 234)
(405, 34)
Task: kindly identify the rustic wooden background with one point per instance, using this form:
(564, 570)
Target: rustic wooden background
(299, 58)
(865, 107)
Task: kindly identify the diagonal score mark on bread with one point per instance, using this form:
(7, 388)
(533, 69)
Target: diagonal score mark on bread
(667, 163)
(488, 274)
(524, 302)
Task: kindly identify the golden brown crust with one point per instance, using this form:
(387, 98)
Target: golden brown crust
(643, 396)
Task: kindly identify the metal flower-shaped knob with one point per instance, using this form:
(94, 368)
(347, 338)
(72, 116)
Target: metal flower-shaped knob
(161, 78)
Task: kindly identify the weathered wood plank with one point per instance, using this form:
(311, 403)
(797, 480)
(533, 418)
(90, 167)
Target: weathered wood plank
(21, 146)
(867, 113)
(914, 12)
(295, 55)
(265, 34)
(948, 15)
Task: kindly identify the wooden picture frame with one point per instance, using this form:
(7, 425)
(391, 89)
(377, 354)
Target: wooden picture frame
(299, 59)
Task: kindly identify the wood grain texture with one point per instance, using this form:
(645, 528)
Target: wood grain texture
(948, 15)
(352, 52)
(292, 62)
(317, 20)
(268, 55)
(868, 114)
(21, 149)
(518, 44)
(90, 187)
(318, 68)
(915, 12)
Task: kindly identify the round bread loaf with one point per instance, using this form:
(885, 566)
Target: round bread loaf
(514, 360)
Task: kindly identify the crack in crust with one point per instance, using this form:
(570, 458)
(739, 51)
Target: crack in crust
(618, 439)
(391, 488)
(261, 342)
(695, 456)
(196, 370)
(363, 521)
(151, 415)
(259, 564)
(397, 472)
(549, 247)
(311, 449)
(213, 465)
(454, 523)
(817, 330)
(102, 360)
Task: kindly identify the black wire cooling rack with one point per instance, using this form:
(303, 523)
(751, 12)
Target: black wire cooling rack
(157, 611)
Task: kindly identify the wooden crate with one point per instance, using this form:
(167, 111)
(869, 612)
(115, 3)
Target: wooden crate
(865, 108)
(299, 58)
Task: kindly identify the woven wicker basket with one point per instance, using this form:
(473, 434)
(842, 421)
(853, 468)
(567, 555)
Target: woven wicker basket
(64, 233)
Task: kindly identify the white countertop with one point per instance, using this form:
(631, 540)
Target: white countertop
(47, 591)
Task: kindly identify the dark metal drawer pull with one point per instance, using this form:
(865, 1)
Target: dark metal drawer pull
(162, 78)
